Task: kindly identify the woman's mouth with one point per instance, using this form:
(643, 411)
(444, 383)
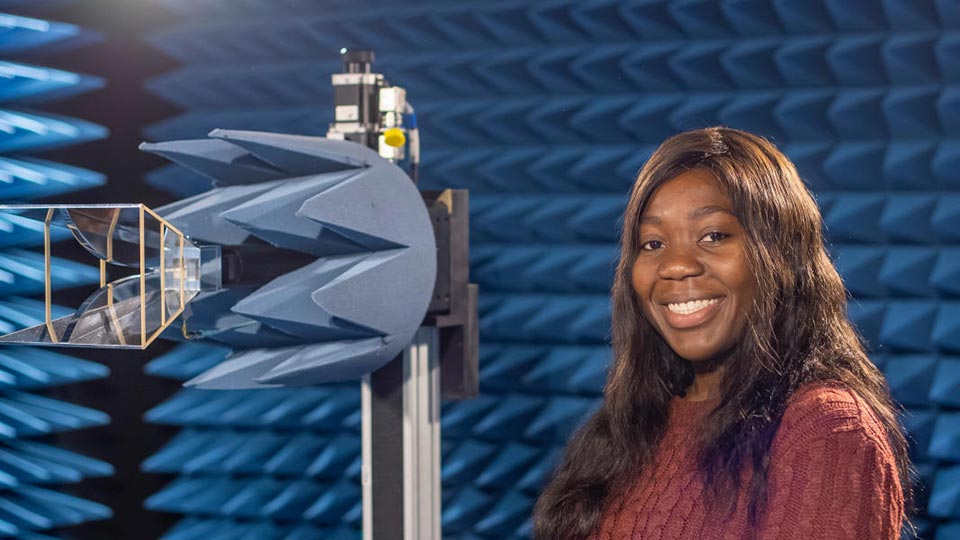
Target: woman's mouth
(689, 314)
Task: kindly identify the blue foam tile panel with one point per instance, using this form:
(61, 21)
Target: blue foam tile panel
(22, 130)
(948, 531)
(946, 329)
(509, 512)
(259, 452)
(29, 415)
(511, 461)
(623, 69)
(465, 507)
(859, 266)
(945, 52)
(946, 215)
(325, 408)
(856, 166)
(458, 418)
(946, 383)
(25, 462)
(855, 218)
(290, 83)
(945, 442)
(911, 113)
(574, 269)
(919, 424)
(35, 368)
(947, 110)
(177, 181)
(944, 164)
(186, 361)
(545, 318)
(298, 120)
(945, 493)
(16, 231)
(503, 365)
(752, 18)
(18, 313)
(33, 84)
(510, 415)
(910, 58)
(911, 15)
(575, 370)
(258, 498)
(18, 34)
(28, 178)
(907, 325)
(653, 18)
(910, 378)
(545, 219)
(466, 461)
(21, 272)
(227, 529)
(560, 418)
(907, 272)
(699, 18)
(907, 165)
(416, 27)
(29, 509)
(7, 4)
(867, 316)
(856, 60)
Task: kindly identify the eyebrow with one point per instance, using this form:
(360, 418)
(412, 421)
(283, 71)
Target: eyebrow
(696, 214)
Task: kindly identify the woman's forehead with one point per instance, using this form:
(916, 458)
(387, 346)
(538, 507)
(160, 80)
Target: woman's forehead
(689, 195)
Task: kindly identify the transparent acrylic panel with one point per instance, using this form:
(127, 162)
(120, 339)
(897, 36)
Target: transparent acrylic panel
(110, 316)
(181, 261)
(211, 275)
(129, 312)
(112, 234)
(109, 232)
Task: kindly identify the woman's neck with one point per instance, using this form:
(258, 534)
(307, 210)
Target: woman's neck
(706, 384)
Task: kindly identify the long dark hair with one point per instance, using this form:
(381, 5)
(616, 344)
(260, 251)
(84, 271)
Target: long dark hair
(796, 333)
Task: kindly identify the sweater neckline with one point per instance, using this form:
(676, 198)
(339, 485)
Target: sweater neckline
(685, 412)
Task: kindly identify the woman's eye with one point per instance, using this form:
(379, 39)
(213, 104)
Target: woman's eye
(644, 245)
(716, 236)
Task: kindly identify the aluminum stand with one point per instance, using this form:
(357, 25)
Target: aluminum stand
(401, 444)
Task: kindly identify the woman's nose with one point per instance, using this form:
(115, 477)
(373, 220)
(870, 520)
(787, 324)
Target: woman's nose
(678, 263)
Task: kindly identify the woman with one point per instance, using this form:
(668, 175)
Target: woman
(741, 402)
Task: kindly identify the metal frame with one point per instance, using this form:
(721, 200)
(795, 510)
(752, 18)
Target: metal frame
(403, 506)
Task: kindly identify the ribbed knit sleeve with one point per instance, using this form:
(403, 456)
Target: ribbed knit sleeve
(833, 475)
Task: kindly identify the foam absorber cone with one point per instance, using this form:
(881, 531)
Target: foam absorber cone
(337, 256)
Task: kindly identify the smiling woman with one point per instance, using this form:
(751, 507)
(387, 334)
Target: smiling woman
(692, 274)
(741, 402)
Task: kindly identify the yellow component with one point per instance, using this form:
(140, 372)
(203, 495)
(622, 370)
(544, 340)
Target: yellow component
(394, 137)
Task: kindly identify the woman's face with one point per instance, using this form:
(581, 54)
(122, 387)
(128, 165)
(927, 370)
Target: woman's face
(691, 274)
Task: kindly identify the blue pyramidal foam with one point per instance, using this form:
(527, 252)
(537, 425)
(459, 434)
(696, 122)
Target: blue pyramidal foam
(350, 310)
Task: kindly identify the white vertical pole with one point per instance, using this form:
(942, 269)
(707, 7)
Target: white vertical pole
(366, 449)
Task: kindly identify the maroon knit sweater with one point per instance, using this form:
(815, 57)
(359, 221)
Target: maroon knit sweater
(832, 477)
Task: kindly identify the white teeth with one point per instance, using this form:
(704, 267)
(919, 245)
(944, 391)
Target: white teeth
(687, 308)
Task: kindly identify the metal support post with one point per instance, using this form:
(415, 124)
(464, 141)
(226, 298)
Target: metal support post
(401, 444)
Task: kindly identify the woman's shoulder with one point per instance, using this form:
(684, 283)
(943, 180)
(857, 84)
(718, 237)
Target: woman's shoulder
(829, 409)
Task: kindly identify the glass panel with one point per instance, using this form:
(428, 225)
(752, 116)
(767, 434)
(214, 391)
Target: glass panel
(114, 234)
(119, 314)
(110, 316)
